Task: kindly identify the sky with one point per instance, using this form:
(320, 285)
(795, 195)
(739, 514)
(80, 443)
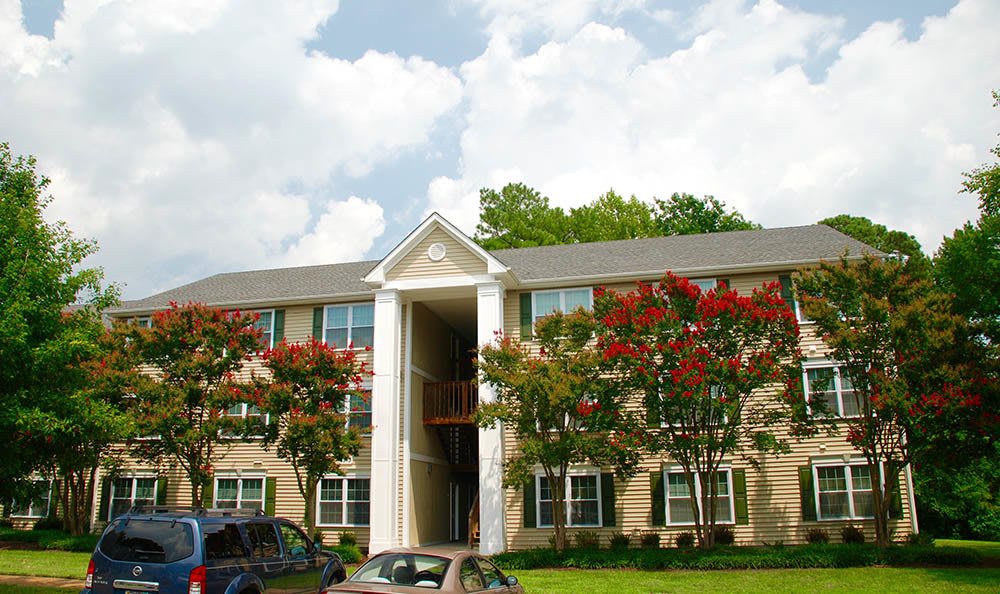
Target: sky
(195, 137)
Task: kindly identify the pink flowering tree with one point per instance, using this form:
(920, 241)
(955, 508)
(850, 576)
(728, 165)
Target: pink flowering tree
(308, 398)
(917, 381)
(717, 371)
(553, 395)
(178, 377)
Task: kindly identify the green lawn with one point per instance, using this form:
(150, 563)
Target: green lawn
(987, 548)
(8, 589)
(45, 563)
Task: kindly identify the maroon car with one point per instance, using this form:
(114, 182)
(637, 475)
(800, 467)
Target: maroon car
(407, 571)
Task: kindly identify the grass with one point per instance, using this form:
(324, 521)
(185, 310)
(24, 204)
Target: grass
(986, 548)
(9, 589)
(44, 563)
(867, 579)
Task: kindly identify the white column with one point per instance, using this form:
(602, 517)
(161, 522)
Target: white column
(385, 512)
(492, 526)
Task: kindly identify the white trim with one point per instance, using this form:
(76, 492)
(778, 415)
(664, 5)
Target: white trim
(695, 281)
(567, 496)
(562, 301)
(849, 480)
(48, 503)
(134, 477)
(492, 495)
(434, 221)
(911, 499)
(239, 476)
(350, 324)
(439, 282)
(429, 459)
(728, 469)
(407, 430)
(271, 331)
(424, 374)
(837, 387)
(343, 510)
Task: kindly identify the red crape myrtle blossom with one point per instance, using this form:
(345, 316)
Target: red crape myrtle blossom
(717, 371)
(178, 376)
(307, 398)
(918, 381)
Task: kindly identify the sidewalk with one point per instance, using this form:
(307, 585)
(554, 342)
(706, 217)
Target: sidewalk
(41, 582)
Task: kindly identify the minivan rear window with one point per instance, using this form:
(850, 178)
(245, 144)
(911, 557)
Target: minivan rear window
(151, 541)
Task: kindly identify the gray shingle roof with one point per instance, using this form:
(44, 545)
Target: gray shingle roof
(733, 250)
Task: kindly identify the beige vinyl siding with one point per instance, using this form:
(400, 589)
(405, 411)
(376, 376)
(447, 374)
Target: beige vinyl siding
(458, 260)
(773, 494)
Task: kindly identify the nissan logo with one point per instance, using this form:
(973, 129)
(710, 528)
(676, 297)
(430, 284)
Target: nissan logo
(136, 571)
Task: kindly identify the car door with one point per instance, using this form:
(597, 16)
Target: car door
(265, 544)
(493, 578)
(304, 566)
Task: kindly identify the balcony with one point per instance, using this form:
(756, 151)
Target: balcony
(450, 403)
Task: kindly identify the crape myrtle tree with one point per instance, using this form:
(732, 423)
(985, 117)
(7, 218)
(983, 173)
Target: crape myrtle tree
(559, 405)
(897, 337)
(718, 373)
(179, 377)
(309, 396)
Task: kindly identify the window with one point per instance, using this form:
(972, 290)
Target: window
(844, 492)
(583, 500)
(250, 412)
(833, 386)
(359, 409)
(694, 415)
(223, 541)
(130, 491)
(265, 323)
(544, 303)
(144, 322)
(705, 284)
(469, 574)
(297, 546)
(344, 501)
(38, 506)
(678, 494)
(263, 540)
(349, 325)
(239, 493)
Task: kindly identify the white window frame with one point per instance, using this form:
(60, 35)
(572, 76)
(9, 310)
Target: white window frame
(698, 281)
(562, 301)
(840, 463)
(698, 495)
(270, 343)
(350, 323)
(134, 479)
(343, 498)
(244, 406)
(837, 386)
(665, 425)
(568, 494)
(239, 478)
(31, 503)
(145, 322)
(366, 387)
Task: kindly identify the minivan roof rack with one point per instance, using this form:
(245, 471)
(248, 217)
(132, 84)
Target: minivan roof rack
(196, 511)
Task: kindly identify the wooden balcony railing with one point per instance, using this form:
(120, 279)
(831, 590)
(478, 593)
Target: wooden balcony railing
(450, 403)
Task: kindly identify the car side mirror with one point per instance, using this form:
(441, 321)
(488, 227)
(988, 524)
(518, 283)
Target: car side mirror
(317, 547)
(511, 581)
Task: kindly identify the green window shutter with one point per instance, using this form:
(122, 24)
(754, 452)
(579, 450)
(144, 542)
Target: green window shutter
(208, 494)
(807, 493)
(896, 505)
(740, 497)
(659, 498)
(279, 325)
(105, 500)
(530, 520)
(608, 498)
(786, 288)
(318, 323)
(652, 412)
(526, 318)
(270, 490)
(161, 490)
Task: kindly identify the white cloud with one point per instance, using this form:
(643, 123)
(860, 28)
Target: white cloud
(342, 234)
(195, 137)
(885, 134)
(556, 18)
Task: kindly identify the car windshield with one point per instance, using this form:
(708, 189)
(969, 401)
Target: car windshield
(409, 569)
(151, 541)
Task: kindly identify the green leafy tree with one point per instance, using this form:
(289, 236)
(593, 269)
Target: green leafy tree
(180, 375)
(612, 217)
(307, 398)
(686, 214)
(717, 373)
(559, 406)
(40, 276)
(897, 336)
(984, 181)
(518, 216)
(895, 243)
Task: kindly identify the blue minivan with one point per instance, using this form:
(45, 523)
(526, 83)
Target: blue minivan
(198, 551)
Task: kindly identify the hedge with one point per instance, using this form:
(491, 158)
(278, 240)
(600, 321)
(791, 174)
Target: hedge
(55, 540)
(797, 557)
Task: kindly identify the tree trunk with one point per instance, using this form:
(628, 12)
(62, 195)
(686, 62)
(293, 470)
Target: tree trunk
(309, 520)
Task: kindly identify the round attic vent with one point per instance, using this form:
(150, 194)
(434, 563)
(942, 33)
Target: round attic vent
(436, 252)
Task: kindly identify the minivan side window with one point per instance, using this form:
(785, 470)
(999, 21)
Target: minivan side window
(223, 541)
(263, 540)
(296, 544)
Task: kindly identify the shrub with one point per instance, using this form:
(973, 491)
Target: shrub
(852, 535)
(349, 553)
(724, 535)
(649, 540)
(64, 542)
(588, 539)
(620, 540)
(684, 540)
(6, 522)
(920, 539)
(49, 523)
(817, 536)
(348, 539)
